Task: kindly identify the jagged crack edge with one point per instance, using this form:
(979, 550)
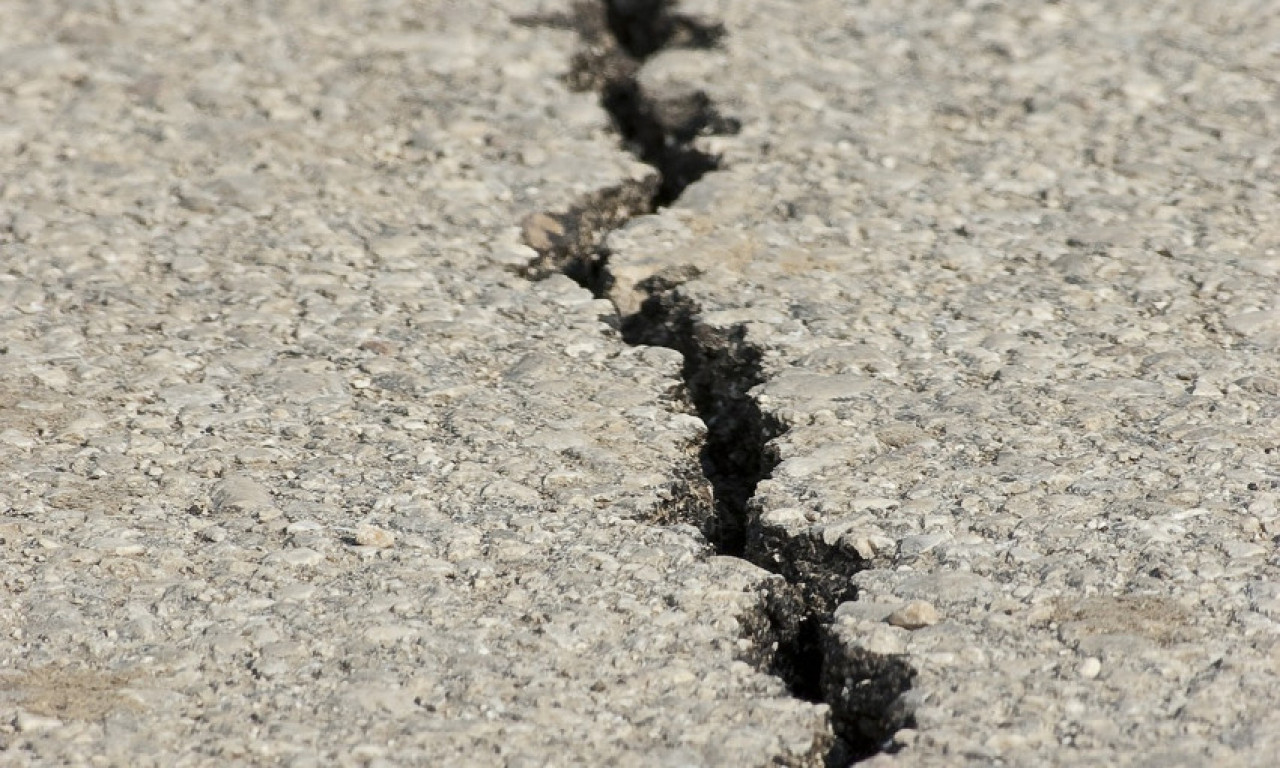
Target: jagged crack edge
(863, 689)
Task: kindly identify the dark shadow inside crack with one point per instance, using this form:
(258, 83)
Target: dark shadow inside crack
(648, 137)
(616, 37)
(720, 368)
(569, 242)
(719, 372)
(644, 27)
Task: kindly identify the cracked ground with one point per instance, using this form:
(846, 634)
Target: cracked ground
(638, 383)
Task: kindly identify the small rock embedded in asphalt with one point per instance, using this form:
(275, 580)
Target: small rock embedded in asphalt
(916, 614)
(26, 722)
(1090, 668)
(372, 536)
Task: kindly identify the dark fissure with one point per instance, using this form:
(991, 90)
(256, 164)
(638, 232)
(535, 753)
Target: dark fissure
(720, 368)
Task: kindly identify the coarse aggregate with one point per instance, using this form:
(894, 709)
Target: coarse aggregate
(1011, 273)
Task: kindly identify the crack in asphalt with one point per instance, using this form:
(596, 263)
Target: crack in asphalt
(720, 367)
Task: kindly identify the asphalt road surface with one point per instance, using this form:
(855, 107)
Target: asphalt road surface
(628, 383)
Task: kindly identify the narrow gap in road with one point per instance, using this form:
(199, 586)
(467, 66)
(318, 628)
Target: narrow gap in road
(720, 368)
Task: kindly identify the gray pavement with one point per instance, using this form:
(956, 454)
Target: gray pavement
(916, 398)
(1010, 276)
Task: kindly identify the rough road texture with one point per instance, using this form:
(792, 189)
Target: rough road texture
(1010, 273)
(296, 468)
(310, 456)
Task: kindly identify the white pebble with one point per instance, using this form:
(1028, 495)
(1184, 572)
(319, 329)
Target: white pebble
(372, 536)
(916, 614)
